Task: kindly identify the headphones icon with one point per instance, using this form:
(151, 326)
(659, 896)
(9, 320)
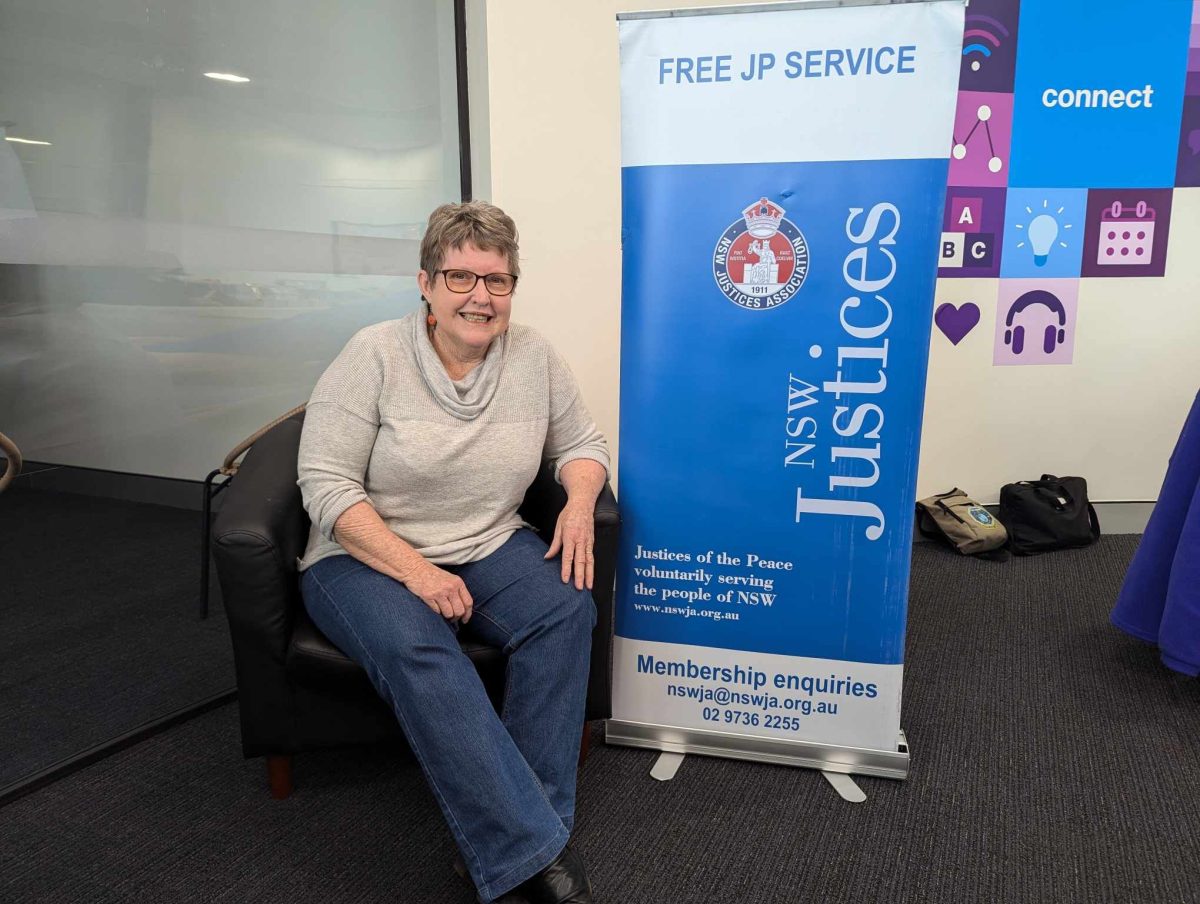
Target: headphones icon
(1054, 335)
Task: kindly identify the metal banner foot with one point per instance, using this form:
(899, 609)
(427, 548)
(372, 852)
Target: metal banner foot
(845, 786)
(666, 766)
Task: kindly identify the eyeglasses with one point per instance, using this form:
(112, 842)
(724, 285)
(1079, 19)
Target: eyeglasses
(463, 281)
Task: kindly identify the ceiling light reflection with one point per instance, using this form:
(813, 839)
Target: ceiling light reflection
(226, 77)
(16, 140)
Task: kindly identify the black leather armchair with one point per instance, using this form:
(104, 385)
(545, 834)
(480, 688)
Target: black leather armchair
(296, 690)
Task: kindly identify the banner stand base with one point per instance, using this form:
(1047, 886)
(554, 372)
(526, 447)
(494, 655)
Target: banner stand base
(666, 766)
(845, 786)
(806, 754)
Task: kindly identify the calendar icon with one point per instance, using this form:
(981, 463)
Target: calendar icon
(1126, 234)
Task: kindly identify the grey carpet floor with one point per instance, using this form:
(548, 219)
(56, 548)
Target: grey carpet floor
(1054, 760)
(98, 625)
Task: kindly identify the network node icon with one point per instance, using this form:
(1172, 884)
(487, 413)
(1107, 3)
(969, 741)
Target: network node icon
(983, 114)
(982, 134)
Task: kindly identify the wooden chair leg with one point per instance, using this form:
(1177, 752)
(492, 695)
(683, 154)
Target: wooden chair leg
(279, 775)
(585, 743)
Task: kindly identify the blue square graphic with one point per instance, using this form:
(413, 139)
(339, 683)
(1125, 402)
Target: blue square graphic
(1099, 93)
(1043, 232)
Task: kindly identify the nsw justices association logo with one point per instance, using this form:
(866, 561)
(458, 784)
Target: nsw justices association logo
(761, 261)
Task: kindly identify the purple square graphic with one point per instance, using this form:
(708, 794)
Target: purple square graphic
(989, 55)
(1126, 232)
(1035, 321)
(978, 250)
(979, 253)
(982, 134)
(1187, 171)
(963, 213)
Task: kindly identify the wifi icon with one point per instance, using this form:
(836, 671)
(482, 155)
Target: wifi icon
(982, 37)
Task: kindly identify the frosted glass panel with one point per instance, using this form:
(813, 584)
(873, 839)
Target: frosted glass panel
(182, 255)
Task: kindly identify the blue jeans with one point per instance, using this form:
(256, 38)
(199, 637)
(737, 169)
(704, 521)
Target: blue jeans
(506, 784)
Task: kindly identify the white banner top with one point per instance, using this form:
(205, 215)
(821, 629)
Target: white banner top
(776, 87)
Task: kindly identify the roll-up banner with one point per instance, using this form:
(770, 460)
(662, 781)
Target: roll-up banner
(783, 173)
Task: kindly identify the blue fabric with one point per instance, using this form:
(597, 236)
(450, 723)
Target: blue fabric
(1160, 600)
(506, 784)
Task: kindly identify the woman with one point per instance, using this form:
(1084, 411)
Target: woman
(419, 443)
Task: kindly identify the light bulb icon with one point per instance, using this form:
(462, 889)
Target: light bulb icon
(1043, 230)
(1042, 233)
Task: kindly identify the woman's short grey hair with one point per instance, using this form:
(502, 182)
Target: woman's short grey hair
(477, 223)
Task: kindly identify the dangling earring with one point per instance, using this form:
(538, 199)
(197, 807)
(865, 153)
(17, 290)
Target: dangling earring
(432, 321)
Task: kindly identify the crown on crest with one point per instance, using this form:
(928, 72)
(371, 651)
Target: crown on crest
(763, 218)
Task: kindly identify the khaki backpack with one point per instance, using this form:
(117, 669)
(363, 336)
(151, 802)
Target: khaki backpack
(960, 521)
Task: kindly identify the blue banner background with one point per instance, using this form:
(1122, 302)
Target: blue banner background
(704, 402)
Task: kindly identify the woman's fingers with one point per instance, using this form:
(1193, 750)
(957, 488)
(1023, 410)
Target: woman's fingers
(467, 603)
(447, 595)
(442, 607)
(573, 537)
(568, 558)
(577, 558)
(456, 599)
(556, 543)
(581, 565)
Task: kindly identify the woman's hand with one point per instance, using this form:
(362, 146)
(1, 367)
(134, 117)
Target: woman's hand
(575, 535)
(441, 591)
(362, 533)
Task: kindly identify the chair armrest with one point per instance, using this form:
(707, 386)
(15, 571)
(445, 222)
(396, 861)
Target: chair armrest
(258, 534)
(608, 514)
(544, 500)
(608, 532)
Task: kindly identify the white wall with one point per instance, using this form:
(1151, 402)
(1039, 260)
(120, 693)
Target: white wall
(551, 129)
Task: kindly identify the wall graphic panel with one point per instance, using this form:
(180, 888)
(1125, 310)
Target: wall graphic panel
(1077, 134)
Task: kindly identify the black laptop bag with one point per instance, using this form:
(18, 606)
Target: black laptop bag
(1047, 514)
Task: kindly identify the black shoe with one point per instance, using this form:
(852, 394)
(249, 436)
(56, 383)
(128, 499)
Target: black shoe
(564, 881)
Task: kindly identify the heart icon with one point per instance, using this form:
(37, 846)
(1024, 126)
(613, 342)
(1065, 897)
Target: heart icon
(956, 322)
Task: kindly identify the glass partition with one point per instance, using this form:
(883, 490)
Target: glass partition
(199, 203)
